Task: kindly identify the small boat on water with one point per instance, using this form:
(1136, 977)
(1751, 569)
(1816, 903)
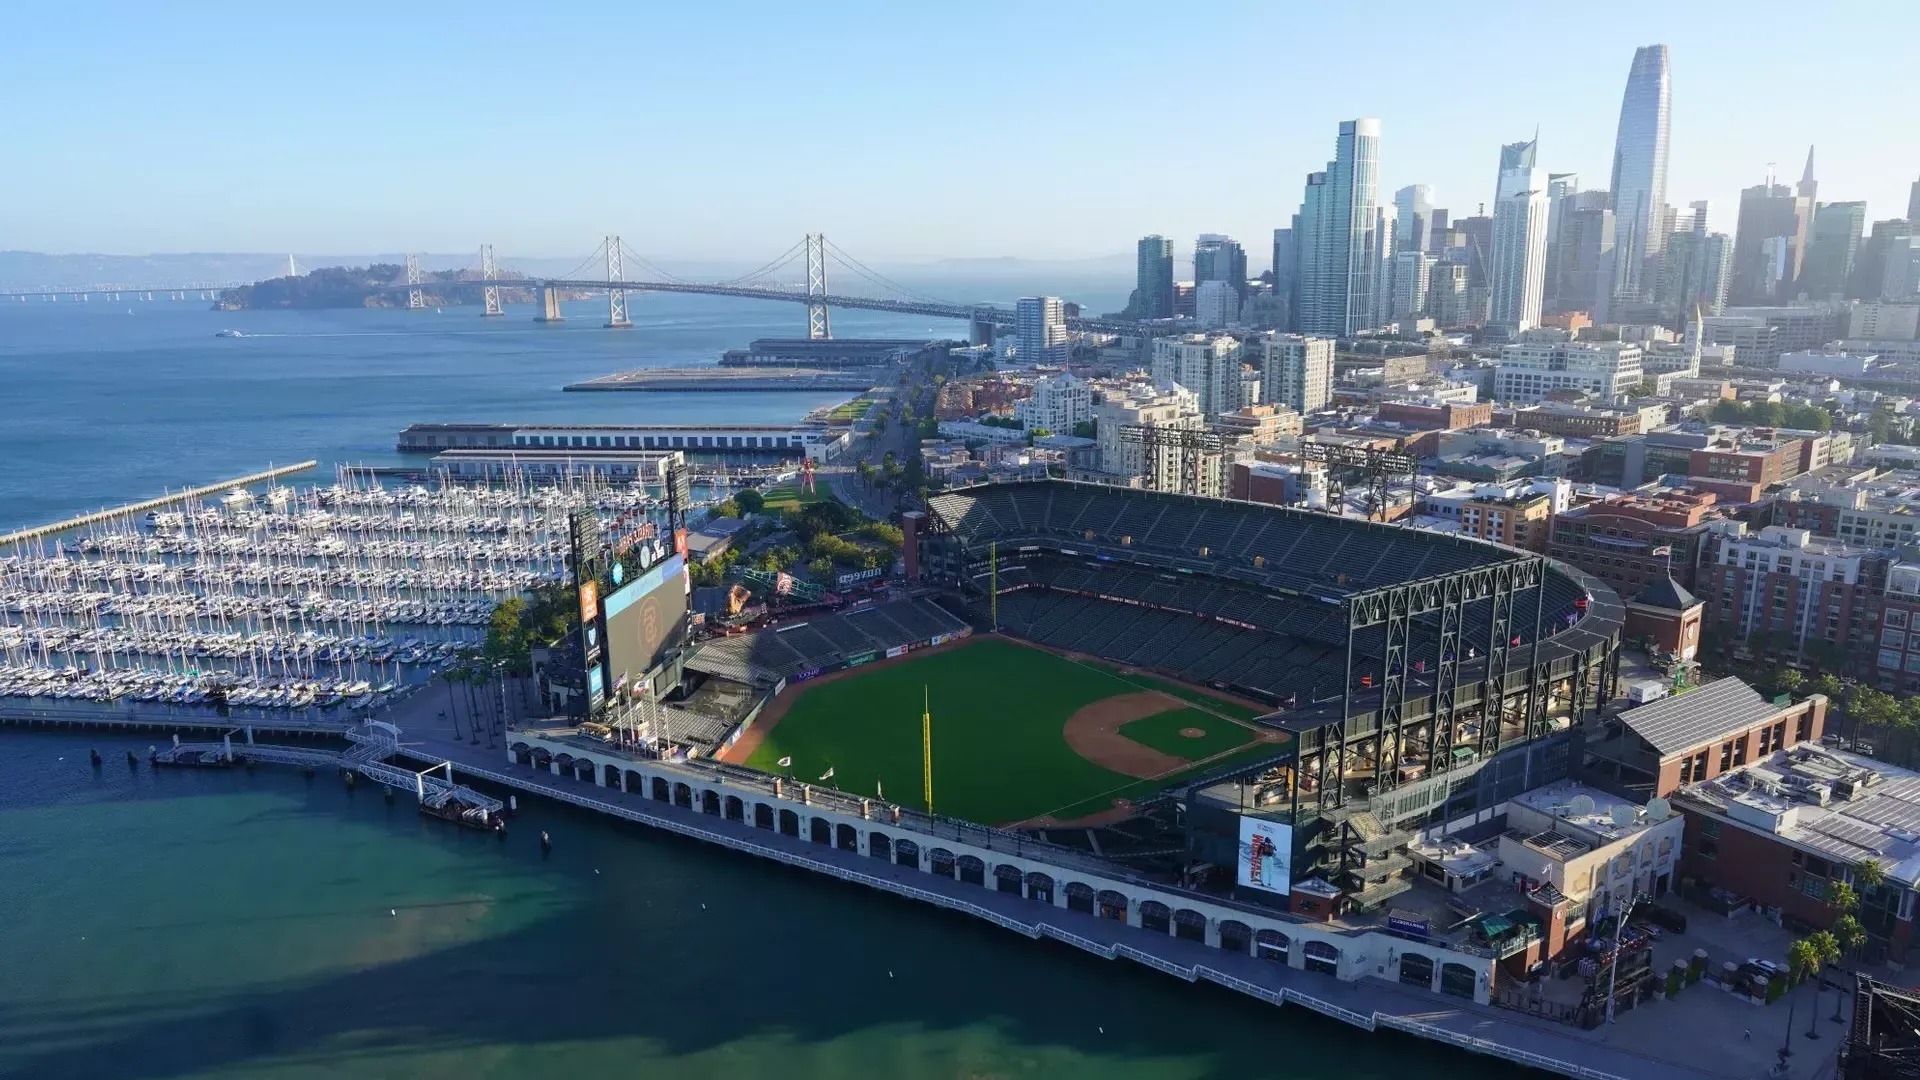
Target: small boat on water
(228, 333)
(467, 817)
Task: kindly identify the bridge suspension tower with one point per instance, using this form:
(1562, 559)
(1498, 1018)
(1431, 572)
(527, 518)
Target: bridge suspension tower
(416, 300)
(616, 296)
(490, 273)
(818, 327)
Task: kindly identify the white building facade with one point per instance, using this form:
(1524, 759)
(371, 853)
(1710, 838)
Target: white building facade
(1058, 403)
(1297, 371)
(1208, 366)
(1529, 372)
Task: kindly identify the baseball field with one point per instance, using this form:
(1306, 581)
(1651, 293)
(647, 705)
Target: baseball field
(1020, 734)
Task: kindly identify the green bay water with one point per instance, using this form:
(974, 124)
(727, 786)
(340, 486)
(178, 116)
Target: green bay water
(233, 924)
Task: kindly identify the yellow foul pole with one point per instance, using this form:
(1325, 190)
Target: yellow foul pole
(926, 748)
(993, 589)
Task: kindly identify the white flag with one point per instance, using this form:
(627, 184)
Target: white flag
(828, 775)
(785, 762)
(878, 791)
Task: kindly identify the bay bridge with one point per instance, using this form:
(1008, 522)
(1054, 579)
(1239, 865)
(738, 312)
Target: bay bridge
(606, 270)
(814, 251)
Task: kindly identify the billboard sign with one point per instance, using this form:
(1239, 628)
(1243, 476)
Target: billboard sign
(1265, 859)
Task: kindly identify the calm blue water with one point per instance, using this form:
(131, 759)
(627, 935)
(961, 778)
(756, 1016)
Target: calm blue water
(187, 924)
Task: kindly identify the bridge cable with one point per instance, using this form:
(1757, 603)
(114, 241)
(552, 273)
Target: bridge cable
(645, 264)
(861, 268)
(779, 261)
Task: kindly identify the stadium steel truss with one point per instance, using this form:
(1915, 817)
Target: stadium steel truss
(1376, 469)
(1435, 651)
(1883, 1038)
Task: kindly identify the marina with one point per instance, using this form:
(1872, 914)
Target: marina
(324, 602)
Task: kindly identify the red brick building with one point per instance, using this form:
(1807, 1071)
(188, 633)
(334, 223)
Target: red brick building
(1435, 416)
(1765, 465)
(1615, 539)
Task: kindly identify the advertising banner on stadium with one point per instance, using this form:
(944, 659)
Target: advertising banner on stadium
(1266, 855)
(897, 650)
(862, 658)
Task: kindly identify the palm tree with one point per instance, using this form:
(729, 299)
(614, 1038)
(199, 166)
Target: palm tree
(1869, 875)
(1841, 897)
(450, 675)
(1806, 956)
(1848, 934)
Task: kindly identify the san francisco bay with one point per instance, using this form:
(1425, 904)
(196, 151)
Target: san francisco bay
(261, 924)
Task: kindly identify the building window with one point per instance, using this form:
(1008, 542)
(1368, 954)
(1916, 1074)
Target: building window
(1803, 727)
(1710, 828)
(1726, 757)
(1709, 849)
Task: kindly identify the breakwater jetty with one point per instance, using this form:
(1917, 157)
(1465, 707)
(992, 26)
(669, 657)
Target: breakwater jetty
(737, 379)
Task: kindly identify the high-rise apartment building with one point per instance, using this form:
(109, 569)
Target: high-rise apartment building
(1447, 292)
(1216, 305)
(1153, 278)
(1411, 271)
(1221, 258)
(1828, 268)
(1057, 404)
(1339, 214)
(1208, 365)
(1296, 371)
(1888, 246)
(1582, 264)
(1286, 277)
(1694, 272)
(1040, 330)
(1559, 187)
(1413, 217)
(1517, 274)
(1913, 202)
(1639, 189)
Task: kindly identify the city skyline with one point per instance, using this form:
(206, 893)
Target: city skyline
(321, 149)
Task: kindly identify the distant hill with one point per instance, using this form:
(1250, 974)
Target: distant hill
(367, 287)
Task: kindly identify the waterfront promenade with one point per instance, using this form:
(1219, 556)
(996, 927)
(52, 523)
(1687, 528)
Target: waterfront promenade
(1651, 1043)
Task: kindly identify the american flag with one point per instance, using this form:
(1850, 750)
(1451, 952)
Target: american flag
(1664, 549)
(783, 584)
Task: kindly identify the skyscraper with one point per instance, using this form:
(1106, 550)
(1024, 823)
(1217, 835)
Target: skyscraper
(1583, 262)
(1768, 243)
(1519, 155)
(1913, 202)
(1153, 278)
(1221, 258)
(1339, 213)
(1040, 326)
(1518, 260)
(1693, 272)
(1413, 218)
(1828, 267)
(1639, 190)
(1286, 277)
(1885, 246)
(1559, 186)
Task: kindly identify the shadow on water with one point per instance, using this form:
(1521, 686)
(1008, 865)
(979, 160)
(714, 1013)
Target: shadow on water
(781, 972)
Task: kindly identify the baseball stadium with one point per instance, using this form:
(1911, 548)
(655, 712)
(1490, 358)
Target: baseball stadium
(1132, 673)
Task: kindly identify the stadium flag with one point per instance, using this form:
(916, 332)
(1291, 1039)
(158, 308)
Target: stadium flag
(879, 790)
(828, 775)
(1664, 549)
(785, 763)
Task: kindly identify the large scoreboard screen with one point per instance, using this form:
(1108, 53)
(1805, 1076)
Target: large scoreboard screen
(644, 618)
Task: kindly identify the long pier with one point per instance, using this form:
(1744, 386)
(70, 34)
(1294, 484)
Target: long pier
(83, 520)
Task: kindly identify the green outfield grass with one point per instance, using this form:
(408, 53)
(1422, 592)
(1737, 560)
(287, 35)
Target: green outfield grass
(782, 499)
(999, 754)
(1198, 697)
(1162, 732)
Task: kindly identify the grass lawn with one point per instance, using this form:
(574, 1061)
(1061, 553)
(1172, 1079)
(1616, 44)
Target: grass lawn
(999, 753)
(1198, 697)
(782, 499)
(851, 410)
(1162, 732)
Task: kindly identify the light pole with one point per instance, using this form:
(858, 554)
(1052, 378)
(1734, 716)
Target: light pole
(1619, 929)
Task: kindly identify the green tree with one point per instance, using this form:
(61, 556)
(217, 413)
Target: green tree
(1728, 412)
(1848, 934)
(1806, 956)
(820, 569)
(1869, 875)
(1788, 681)
(749, 500)
(725, 508)
(865, 472)
(1840, 897)
(1084, 429)
(1828, 685)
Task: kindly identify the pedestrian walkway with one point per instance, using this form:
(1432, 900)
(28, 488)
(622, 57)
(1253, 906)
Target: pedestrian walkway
(1370, 1003)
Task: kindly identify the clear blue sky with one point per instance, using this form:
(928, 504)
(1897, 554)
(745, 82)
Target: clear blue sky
(903, 130)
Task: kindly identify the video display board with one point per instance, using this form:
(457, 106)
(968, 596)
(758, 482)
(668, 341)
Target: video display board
(643, 619)
(1265, 860)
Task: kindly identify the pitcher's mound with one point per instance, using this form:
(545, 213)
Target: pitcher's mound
(1193, 733)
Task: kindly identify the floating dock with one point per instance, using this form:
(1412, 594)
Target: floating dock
(373, 743)
(130, 509)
